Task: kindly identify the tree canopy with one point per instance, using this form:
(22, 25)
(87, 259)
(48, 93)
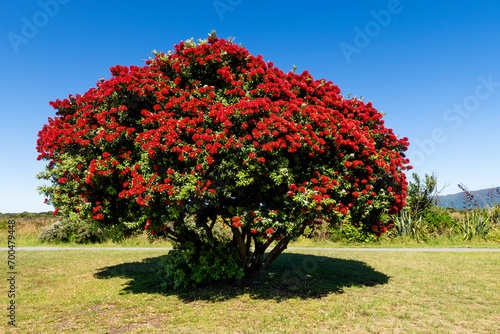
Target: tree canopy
(209, 135)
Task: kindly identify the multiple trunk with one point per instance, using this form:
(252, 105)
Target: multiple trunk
(253, 261)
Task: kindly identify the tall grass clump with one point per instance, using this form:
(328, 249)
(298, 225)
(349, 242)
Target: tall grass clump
(475, 223)
(478, 221)
(407, 225)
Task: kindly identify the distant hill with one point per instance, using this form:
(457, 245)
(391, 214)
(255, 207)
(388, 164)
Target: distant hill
(483, 197)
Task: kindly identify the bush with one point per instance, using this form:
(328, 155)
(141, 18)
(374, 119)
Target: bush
(76, 231)
(437, 220)
(350, 233)
(3, 224)
(187, 265)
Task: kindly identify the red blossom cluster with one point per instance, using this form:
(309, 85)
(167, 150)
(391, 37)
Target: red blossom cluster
(212, 125)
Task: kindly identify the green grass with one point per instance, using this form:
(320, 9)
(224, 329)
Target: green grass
(306, 291)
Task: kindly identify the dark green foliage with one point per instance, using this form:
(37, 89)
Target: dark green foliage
(188, 265)
(71, 231)
(421, 193)
(351, 234)
(3, 224)
(437, 219)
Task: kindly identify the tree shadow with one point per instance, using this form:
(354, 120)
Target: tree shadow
(290, 276)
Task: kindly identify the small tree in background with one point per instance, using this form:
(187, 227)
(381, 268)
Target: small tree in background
(421, 193)
(209, 135)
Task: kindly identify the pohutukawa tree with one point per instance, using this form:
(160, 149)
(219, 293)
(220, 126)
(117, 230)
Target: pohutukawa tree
(209, 136)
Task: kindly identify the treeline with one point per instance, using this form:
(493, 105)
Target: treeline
(26, 214)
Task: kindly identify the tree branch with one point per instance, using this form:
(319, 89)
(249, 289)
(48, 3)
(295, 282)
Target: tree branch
(241, 244)
(280, 247)
(247, 246)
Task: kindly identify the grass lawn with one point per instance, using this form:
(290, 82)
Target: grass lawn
(304, 291)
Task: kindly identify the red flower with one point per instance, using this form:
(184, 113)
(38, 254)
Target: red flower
(270, 230)
(210, 159)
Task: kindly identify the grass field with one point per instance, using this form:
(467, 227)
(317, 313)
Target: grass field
(306, 291)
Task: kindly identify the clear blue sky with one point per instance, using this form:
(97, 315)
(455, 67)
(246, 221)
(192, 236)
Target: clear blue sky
(432, 66)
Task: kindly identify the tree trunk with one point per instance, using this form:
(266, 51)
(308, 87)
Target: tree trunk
(259, 263)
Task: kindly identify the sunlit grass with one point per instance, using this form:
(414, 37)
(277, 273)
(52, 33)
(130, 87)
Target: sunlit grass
(306, 291)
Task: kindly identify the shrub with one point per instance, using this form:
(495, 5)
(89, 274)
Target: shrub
(71, 231)
(437, 220)
(350, 233)
(4, 224)
(188, 265)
